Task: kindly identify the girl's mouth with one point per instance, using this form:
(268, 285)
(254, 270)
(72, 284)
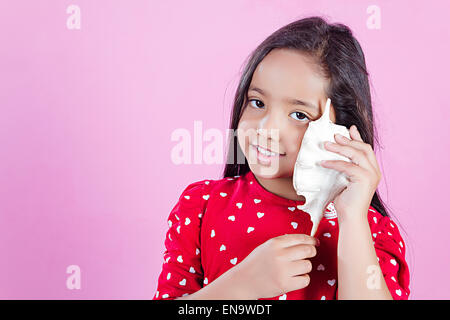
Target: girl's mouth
(263, 155)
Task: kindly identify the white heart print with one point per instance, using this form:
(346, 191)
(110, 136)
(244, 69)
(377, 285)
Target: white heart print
(206, 197)
(222, 248)
(260, 214)
(282, 297)
(294, 225)
(257, 200)
(182, 282)
(331, 282)
(213, 233)
(232, 218)
(250, 229)
(187, 221)
(223, 194)
(239, 205)
(291, 208)
(233, 261)
(180, 259)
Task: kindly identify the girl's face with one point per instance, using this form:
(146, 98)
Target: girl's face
(285, 94)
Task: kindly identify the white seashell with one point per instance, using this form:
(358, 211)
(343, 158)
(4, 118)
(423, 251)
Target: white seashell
(317, 184)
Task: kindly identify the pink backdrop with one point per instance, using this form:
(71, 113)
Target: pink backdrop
(86, 117)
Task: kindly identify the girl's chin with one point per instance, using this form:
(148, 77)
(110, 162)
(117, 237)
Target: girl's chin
(266, 172)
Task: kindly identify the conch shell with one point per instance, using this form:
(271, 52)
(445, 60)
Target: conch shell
(317, 184)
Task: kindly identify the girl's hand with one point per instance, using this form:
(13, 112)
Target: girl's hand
(277, 266)
(363, 173)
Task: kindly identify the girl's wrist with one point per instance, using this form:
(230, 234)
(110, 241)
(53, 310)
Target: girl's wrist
(352, 217)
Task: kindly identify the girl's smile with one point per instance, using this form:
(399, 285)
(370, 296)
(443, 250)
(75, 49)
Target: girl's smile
(263, 155)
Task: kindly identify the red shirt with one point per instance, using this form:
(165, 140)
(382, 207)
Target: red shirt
(217, 223)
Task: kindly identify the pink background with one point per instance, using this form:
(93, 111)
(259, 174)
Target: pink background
(86, 118)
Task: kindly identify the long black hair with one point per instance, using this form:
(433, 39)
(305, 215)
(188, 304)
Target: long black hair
(340, 59)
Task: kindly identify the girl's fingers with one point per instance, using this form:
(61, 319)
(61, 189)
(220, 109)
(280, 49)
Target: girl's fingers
(299, 252)
(359, 144)
(353, 172)
(357, 156)
(300, 267)
(354, 133)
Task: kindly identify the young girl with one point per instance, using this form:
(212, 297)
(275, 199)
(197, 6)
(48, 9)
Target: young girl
(244, 236)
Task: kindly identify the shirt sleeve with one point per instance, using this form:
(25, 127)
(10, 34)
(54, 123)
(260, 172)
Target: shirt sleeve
(390, 249)
(182, 273)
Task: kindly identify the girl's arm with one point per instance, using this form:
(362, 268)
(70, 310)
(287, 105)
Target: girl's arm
(359, 273)
(229, 286)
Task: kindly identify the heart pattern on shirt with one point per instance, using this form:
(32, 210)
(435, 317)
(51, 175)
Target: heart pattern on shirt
(250, 229)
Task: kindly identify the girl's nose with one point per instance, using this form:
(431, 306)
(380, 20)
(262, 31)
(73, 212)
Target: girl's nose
(269, 127)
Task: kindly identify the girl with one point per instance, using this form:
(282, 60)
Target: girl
(244, 236)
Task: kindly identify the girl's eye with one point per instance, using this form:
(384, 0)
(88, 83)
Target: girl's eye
(301, 116)
(261, 104)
